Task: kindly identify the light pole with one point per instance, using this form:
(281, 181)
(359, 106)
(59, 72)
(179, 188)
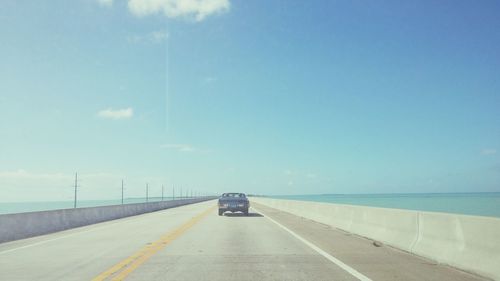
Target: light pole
(76, 187)
(122, 191)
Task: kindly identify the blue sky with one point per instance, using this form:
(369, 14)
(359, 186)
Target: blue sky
(267, 97)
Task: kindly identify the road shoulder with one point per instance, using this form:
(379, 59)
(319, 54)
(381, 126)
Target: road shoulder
(378, 263)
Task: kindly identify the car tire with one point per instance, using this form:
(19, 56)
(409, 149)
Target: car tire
(221, 212)
(246, 212)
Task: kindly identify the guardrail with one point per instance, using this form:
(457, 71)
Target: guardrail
(471, 243)
(24, 225)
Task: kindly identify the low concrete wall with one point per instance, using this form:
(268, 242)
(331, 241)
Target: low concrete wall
(470, 243)
(24, 225)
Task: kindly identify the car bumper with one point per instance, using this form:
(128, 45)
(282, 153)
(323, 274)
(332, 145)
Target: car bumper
(234, 208)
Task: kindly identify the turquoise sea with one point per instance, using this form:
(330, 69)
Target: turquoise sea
(478, 204)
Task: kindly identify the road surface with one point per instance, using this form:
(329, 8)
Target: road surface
(193, 243)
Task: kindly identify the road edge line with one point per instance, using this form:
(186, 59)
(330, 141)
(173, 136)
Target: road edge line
(329, 257)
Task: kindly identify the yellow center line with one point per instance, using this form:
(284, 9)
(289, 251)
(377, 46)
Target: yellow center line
(122, 269)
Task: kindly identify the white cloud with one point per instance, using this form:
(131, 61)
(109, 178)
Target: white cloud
(199, 9)
(105, 3)
(179, 147)
(488, 151)
(110, 113)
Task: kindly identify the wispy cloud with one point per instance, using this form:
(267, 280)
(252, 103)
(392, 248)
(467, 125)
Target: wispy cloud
(116, 114)
(105, 3)
(197, 9)
(488, 151)
(154, 37)
(179, 147)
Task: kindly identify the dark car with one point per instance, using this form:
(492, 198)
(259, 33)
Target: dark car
(233, 202)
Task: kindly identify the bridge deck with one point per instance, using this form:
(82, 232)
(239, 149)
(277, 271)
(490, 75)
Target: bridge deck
(193, 243)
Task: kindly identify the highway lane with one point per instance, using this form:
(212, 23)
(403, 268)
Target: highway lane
(213, 248)
(235, 247)
(193, 243)
(82, 253)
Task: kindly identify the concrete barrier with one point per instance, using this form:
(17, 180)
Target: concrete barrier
(24, 225)
(468, 242)
(471, 243)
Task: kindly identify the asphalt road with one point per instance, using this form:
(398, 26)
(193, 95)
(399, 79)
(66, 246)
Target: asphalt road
(193, 243)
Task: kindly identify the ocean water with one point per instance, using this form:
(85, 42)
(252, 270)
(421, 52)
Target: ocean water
(477, 204)
(22, 207)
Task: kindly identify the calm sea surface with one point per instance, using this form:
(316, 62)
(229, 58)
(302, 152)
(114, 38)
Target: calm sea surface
(478, 204)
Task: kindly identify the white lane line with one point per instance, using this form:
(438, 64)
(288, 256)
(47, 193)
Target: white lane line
(329, 257)
(94, 228)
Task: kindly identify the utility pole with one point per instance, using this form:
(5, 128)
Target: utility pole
(181, 192)
(122, 191)
(162, 192)
(147, 192)
(173, 192)
(76, 187)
